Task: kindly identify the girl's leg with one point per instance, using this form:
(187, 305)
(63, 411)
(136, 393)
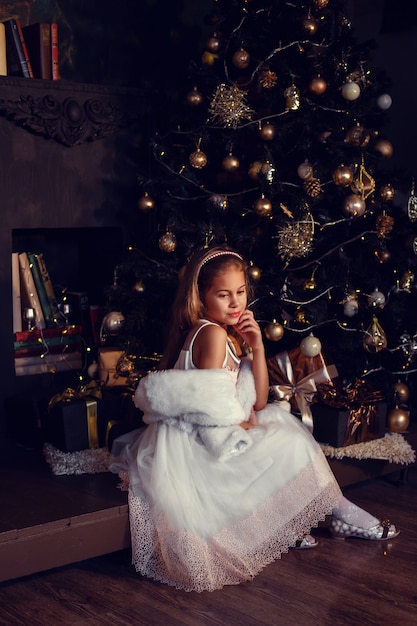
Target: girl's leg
(349, 520)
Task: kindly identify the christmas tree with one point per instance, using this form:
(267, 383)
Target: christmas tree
(278, 148)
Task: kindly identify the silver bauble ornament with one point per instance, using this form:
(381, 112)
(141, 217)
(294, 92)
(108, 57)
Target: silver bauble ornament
(113, 322)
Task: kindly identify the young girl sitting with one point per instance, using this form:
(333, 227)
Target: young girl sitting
(221, 483)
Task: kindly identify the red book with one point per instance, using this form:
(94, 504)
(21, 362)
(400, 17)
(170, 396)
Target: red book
(47, 333)
(55, 51)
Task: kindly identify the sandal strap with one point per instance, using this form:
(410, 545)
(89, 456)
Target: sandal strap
(386, 525)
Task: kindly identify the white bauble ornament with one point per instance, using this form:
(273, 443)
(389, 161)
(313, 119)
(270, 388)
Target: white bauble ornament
(376, 298)
(350, 305)
(310, 346)
(384, 101)
(92, 369)
(351, 91)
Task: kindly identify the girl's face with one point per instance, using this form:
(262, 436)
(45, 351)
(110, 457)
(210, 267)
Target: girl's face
(226, 299)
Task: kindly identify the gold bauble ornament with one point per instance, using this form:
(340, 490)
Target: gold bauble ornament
(310, 346)
(358, 136)
(274, 331)
(267, 131)
(375, 339)
(354, 206)
(342, 176)
(310, 284)
(310, 26)
(305, 171)
(263, 206)
(384, 148)
(398, 420)
(168, 242)
(213, 44)
(383, 255)
(401, 392)
(317, 85)
(194, 97)
(254, 272)
(198, 159)
(230, 163)
(320, 4)
(387, 192)
(301, 317)
(208, 58)
(146, 203)
(241, 59)
(138, 286)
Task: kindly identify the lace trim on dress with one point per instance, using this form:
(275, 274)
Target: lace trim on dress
(237, 553)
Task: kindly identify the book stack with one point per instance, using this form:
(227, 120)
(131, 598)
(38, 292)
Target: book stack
(48, 351)
(29, 51)
(44, 341)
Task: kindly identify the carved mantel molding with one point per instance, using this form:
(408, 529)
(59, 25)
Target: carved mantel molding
(70, 113)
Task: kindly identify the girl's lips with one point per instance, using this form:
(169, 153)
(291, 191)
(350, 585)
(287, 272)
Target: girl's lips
(237, 315)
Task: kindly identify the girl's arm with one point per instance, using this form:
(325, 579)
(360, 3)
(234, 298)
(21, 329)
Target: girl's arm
(209, 349)
(249, 330)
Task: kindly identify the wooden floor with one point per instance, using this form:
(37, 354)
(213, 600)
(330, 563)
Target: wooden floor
(344, 583)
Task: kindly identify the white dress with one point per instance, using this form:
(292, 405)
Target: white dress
(198, 523)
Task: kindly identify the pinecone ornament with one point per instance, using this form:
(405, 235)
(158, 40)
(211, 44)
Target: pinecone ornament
(384, 225)
(312, 187)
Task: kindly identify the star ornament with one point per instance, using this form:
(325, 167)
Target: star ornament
(228, 106)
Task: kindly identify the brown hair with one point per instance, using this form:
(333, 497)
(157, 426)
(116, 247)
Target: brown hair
(188, 306)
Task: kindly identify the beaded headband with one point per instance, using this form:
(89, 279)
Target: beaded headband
(220, 253)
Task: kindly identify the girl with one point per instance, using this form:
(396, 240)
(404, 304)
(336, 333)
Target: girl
(220, 482)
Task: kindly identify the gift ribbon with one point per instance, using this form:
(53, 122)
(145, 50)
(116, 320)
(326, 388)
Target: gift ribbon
(360, 400)
(302, 391)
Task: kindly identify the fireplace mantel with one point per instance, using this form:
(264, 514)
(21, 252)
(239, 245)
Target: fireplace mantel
(69, 113)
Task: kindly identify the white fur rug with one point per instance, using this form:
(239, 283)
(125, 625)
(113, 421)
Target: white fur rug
(393, 448)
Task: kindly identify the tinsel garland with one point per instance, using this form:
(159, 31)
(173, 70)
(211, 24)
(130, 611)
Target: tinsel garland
(392, 448)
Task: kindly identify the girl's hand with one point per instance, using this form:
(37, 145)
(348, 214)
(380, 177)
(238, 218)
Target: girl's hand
(248, 329)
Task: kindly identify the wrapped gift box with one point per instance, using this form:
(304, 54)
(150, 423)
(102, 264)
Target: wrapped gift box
(294, 377)
(72, 425)
(79, 423)
(330, 424)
